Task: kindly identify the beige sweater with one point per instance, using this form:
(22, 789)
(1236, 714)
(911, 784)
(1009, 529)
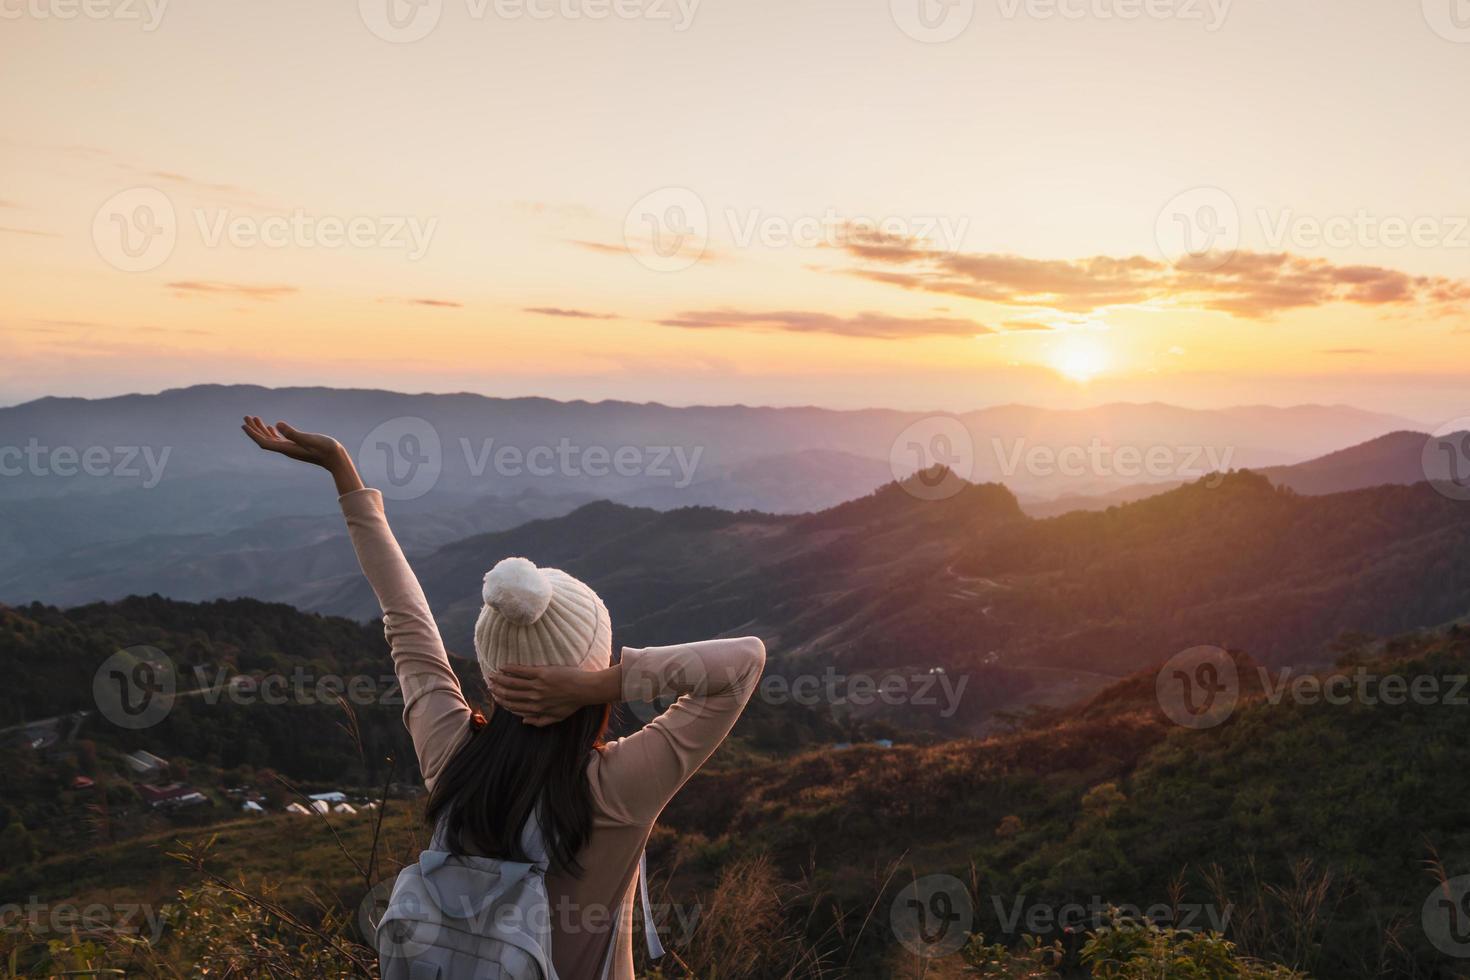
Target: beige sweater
(632, 778)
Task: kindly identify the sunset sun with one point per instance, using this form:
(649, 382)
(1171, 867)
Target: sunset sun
(1079, 358)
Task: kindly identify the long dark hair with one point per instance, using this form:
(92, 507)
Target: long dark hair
(508, 771)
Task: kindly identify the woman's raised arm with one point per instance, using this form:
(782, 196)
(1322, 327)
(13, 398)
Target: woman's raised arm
(434, 708)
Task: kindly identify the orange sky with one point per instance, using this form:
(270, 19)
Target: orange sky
(313, 194)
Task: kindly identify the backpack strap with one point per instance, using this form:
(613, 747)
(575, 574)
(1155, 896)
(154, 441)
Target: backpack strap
(650, 928)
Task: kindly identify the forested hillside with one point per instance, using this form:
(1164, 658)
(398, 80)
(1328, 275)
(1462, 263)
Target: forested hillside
(1310, 834)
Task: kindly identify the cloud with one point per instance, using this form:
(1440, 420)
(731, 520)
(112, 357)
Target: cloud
(447, 304)
(691, 247)
(574, 314)
(1249, 285)
(72, 332)
(871, 325)
(80, 150)
(68, 323)
(149, 173)
(1011, 325)
(243, 290)
(243, 196)
(87, 328)
(180, 331)
(602, 247)
(28, 231)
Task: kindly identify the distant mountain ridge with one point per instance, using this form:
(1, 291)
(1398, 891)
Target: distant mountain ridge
(195, 425)
(1399, 458)
(222, 520)
(199, 513)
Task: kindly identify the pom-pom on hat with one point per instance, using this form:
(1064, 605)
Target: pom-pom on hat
(540, 617)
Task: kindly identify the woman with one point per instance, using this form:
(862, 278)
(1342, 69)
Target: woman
(538, 761)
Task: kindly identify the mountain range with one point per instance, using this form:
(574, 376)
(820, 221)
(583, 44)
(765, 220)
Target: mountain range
(1032, 611)
(179, 503)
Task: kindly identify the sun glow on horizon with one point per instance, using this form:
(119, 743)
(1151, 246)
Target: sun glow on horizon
(1079, 358)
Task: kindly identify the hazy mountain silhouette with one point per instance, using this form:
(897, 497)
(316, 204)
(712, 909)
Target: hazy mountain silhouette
(196, 425)
(1396, 458)
(199, 513)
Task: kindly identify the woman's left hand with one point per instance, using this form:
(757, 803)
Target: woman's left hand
(543, 696)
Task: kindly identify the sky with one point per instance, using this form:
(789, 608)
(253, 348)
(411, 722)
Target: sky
(927, 204)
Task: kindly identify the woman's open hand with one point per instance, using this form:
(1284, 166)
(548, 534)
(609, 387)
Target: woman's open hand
(543, 696)
(308, 447)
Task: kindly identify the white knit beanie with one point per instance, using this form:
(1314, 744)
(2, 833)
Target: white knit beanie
(540, 617)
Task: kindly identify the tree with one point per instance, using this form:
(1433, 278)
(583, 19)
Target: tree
(87, 755)
(17, 846)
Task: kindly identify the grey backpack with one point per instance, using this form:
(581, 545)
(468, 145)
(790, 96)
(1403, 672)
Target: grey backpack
(459, 917)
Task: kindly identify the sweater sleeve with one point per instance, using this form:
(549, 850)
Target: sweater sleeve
(714, 680)
(434, 708)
